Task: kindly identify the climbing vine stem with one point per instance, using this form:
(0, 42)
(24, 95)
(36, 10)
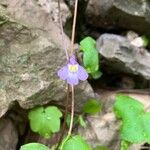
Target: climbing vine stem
(71, 53)
(74, 28)
(72, 110)
(68, 54)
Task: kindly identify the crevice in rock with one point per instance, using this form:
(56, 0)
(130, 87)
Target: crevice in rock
(145, 146)
(117, 81)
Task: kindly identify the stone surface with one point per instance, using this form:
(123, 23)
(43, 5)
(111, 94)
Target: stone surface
(51, 7)
(36, 11)
(121, 56)
(102, 130)
(9, 136)
(128, 14)
(31, 52)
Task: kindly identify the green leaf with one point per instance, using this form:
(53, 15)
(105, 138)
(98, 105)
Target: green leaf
(91, 65)
(92, 107)
(124, 145)
(68, 119)
(100, 147)
(75, 143)
(45, 121)
(87, 43)
(34, 146)
(135, 121)
(90, 56)
(53, 147)
(96, 75)
(146, 41)
(82, 121)
(145, 121)
(77, 120)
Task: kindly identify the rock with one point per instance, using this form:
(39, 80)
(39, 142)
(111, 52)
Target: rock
(126, 83)
(31, 52)
(9, 136)
(51, 7)
(114, 14)
(38, 13)
(101, 130)
(123, 57)
(70, 3)
(136, 147)
(131, 35)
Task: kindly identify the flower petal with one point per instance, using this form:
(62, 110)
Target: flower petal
(72, 60)
(72, 79)
(63, 72)
(82, 74)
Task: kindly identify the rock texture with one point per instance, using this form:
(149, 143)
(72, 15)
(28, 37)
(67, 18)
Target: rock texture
(9, 136)
(31, 52)
(121, 56)
(36, 11)
(102, 130)
(128, 14)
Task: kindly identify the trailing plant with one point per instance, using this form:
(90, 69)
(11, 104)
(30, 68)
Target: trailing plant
(90, 107)
(46, 121)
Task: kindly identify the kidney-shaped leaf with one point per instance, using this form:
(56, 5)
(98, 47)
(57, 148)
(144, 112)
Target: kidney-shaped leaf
(92, 106)
(135, 121)
(75, 143)
(34, 146)
(45, 121)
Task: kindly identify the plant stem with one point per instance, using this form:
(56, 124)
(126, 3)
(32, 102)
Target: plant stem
(73, 28)
(67, 56)
(65, 117)
(71, 53)
(72, 110)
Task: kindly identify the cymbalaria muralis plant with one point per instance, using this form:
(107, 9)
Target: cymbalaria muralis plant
(46, 121)
(50, 116)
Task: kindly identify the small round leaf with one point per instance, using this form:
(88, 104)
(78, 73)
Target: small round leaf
(92, 107)
(75, 143)
(45, 121)
(34, 146)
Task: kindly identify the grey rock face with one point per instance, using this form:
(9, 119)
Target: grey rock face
(31, 52)
(36, 11)
(9, 137)
(28, 67)
(102, 130)
(121, 56)
(128, 14)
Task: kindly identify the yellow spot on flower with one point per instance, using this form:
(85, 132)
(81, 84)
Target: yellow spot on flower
(73, 68)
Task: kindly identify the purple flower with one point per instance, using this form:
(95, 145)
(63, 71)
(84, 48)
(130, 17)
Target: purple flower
(72, 72)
